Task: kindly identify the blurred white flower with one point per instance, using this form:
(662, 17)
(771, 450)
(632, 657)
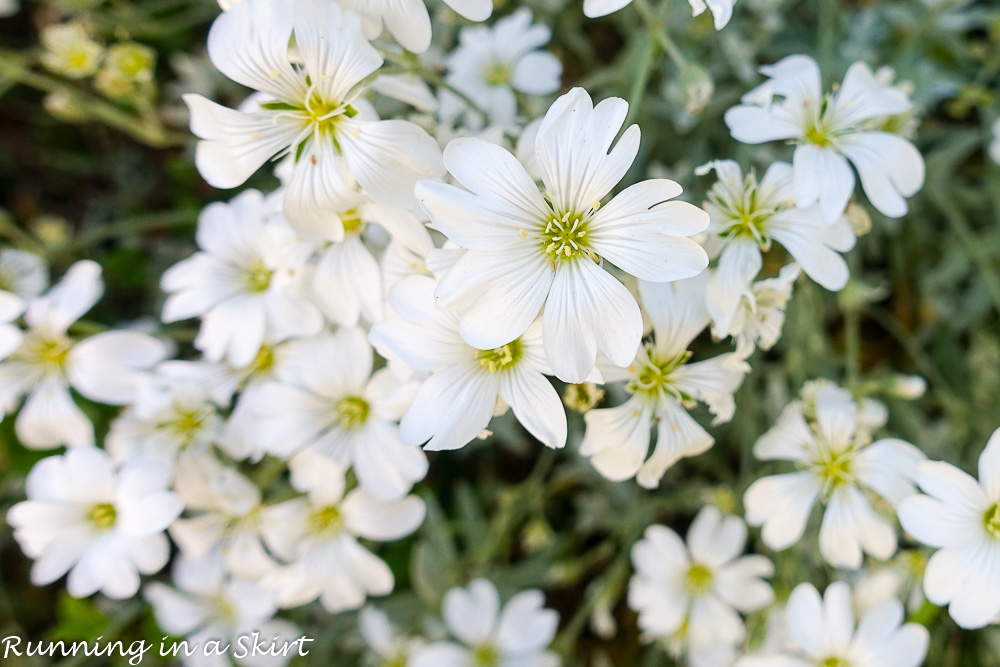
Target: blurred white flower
(491, 64)
(474, 10)
(47, 361)
(824, 633)
(327, 400)
(406, 20)
(102, 525)
(830, 130)
(526, 250)
(747, 216)
(596, 8)
(961, 518)
(458, 400)
(378, 633)
(760, 313)
(825, 435)
(317, 535)
(663, 386)
(225, 516)
(995, 146)
(695, 591)
(305, 111)
(206, 605)
(23, 276)
(516, 635)
(9, 7)
(245, 283)
(722, 10)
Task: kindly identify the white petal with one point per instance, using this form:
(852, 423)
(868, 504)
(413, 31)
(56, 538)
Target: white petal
(471, 614)
(891, 168)
(104, 367)
(535, 404)
(335, 52)
(451, 408)
(375, 519)
(67, 301)
(50, 418)
(781, 504)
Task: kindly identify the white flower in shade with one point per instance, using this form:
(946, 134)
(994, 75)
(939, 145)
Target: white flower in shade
(474, 10)
(527, 249)
(305, 111)
(456, 402)
(490, 637)
(318, 536)
(491, 64)
(824, 634)
(760, 313)
(961, 518)
(23, 275)
(328, 400)
(995, 146)
(245, 283)
(103, 526)
(722, 10)
(48, 361)
(378, 633)
(406, 20)
(225, 516)
(826, 437)
(596, 8)
(9, 7)
(748, 216)
(830, 130)
(663, 386)
(168, 419)
(900, 578)
(697, 590)
(207, 606)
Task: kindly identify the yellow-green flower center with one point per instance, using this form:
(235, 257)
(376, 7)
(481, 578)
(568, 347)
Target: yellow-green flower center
(501, 358)
(485, 655)
(652, 375)
(102, 515)
(834, 469)
(564, 237)
(497, 74)
(992, 521)
(699, 579)
(352, 412)
(351, 221)
(326, 520)
(816, 135)
(50, 353)
(257, 278)
(398, 660)
(263, 362)
(834, 662)
(746, 216)
(187, 423)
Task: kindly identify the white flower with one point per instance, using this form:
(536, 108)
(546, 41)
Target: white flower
(491, 64)
(245, 283)
(526, 250)
(226, 517)
(824, 633)
(663, 386)
(995, 146)
(830, 130)
(328, 400)
(318, 536)
(722, 10)
(596, 8)
(760, 313)
(378, 633)
(9, 7)
(407, 20)
(490, 637)
(104, 526)
(23, 275)
(828, 440)
(207, 606)
(961, 518)
(305, 111)
(747, 216)
(47, 361)
(168, 419)
(458, 400)
(697, 589)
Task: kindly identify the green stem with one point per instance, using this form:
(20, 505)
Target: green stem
(146, 130)
(641, 81)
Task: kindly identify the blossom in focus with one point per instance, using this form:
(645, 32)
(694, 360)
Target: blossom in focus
(101, 524)
(698, 589)
(205, 605)
(491, 64)
(747, 216)
(456, 402)
(826, 435)
(47, 361)
(328, 400)
(245, 283)
(309, 111)
(960, 517)
(663, 387)
(316, 535)
(517, 634)
(831, 131)
(824, 632)
(527, 249)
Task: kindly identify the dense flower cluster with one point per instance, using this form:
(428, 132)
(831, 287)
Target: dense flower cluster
(414, 278)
